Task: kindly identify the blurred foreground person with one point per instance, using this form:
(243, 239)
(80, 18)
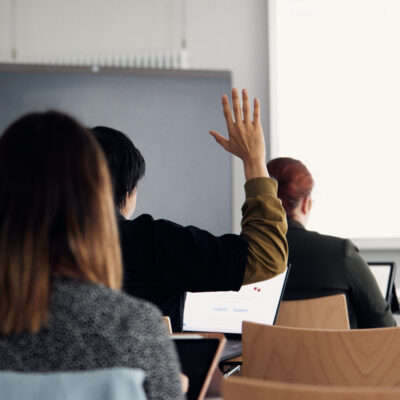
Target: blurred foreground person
(60, 262)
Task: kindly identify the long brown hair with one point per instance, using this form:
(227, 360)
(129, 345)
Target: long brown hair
(294, 181)
(56, 216)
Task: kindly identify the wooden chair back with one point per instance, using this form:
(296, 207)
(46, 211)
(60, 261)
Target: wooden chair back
(359, 357)
(167, 322)
(328, 312)
(244, 388)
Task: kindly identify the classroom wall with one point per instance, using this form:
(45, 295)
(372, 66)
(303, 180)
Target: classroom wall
(233, 34)
(221, 34)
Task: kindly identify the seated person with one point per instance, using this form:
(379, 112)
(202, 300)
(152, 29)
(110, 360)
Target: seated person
(163, 260)
(324, 265)
(60, 262)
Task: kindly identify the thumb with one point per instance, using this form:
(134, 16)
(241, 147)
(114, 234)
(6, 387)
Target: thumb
(220, 139)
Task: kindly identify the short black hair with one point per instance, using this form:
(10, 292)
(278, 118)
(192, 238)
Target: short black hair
(126, 163)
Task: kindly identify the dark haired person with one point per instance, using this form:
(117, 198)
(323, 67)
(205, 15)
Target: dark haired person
(60, 262)
(324, 265)
(163, 260)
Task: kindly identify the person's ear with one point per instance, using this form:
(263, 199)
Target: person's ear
(310, 203)
(306, 204)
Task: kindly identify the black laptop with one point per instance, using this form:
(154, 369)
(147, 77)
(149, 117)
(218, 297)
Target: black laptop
(385, 273)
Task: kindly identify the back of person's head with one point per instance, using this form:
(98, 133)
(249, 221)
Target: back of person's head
(294, 181)
(125, 162)
(57, 217)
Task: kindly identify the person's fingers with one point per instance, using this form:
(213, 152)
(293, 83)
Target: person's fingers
(227, 112)
(220, 139)
(237, 111)
(246, 106)
(256, 113)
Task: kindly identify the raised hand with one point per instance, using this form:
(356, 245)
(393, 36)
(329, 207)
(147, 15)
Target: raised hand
(246, 139)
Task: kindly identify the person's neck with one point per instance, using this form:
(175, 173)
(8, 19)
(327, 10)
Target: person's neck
(302, 219)
(125, 213)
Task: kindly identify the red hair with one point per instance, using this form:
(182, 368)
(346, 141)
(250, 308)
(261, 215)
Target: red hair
(294, 181)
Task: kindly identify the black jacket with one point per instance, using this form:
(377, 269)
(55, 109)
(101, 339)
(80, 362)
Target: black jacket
(164, 260)
(325, 265)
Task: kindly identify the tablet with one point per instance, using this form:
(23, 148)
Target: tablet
(199, 356)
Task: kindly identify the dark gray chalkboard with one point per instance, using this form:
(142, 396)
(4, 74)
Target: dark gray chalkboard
(166, 114)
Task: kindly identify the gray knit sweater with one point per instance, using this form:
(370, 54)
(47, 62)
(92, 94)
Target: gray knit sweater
(93, 327)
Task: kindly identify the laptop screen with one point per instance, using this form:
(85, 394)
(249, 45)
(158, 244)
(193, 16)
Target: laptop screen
(225, 311)
(384, 275)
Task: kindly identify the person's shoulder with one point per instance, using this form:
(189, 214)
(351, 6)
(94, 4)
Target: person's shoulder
(329, 238)
(100, 303)
(124, 304)
(317, 235)
(346, 245)
(317, 240)
(350, 249)
(141, 219)
(139, 228)
(146, 221)
(145, 231)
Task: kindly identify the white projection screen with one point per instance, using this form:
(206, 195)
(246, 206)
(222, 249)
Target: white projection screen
(335, 105)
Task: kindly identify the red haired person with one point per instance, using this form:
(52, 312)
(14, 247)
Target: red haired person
(324, 265)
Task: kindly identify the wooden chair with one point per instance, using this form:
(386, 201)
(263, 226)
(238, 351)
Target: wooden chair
(328, 312)
(364, 357)
(244, 388)
(167, 322)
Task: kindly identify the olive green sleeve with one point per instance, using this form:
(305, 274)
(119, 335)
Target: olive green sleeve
(264, 226)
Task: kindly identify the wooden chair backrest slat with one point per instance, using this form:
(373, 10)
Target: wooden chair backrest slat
(244, 388)
(328, 312)
(364, 357)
